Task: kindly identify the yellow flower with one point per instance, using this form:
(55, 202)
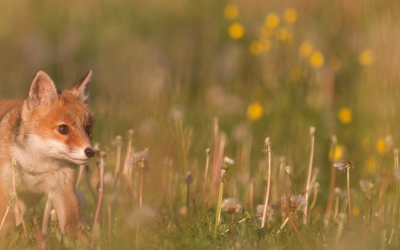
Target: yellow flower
(295, 74)
(335, 64)
(366, 57)
(305, 49)
(339, 153)
(356, 211)
(256, 48)
(267, 32)
(236, 30)
(231, 11)
(266, 43)
(317, 59)
(345, 115)
(284, 35)
(371, 165)
(254, 111)
(366, 144)
(272, 21)
(381, 146)
(290, 15)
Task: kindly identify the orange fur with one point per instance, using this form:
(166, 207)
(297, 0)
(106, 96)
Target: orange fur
(30, 132)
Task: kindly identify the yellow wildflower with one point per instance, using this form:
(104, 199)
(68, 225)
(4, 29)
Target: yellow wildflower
(305, 49)
(371, 165)
(272, 21)
(339, 153)
(236, 31)
(356, 211)
(231, 11)
(266, 43)
(382, 146)
(284, 35)
(254, 111)
(317, 59)
(290, 15)
(366, 144)
(335, 64)
(295, 74)
(345, 115)
(366, 57)
(256, 48)
(267, 32)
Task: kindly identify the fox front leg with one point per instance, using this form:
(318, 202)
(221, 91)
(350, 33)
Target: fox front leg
(67, 208)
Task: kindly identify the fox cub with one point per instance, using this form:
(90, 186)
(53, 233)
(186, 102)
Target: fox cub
(48, 134)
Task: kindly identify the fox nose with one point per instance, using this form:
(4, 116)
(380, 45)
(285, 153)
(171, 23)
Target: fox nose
(89, 152)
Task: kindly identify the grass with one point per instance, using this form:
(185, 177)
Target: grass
(183, 77)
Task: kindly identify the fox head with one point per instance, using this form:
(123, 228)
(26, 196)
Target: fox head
(57, 124)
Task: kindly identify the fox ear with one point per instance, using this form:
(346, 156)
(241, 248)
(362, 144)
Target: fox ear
(80, 88)
(43, 91)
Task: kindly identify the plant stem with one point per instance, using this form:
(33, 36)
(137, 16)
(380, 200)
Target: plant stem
(314, 199)
(395, 218)
(101, 188)
(348, 196)
(205, 183)
(252, 196)
(215, 159)
(5, 215)
(282, 185)
(118, 141)
(291, 221)
(312, 135)
(45, 221)
(233, 227)
(195, 208)
(218, 211)
(141, 187)
(128, 152)
(332, 182)
(78, 180)
(268, 147)
(14, 167)
(87, 169)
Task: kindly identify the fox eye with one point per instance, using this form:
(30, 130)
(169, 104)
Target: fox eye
(63, 129)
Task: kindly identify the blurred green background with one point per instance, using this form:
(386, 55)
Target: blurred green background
(264, 68)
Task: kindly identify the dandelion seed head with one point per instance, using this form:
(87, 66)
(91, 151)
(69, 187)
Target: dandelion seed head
(231, 205)
(228, 161)
(296, 202)
(366, 186)
(139, 159)
(270, 214)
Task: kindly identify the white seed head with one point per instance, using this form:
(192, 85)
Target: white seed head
(231, 205)
(338, 191)
(139, 159)
(270, 213)
(228, 160)
(366, 186)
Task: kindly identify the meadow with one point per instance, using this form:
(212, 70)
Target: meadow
(284, 89)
